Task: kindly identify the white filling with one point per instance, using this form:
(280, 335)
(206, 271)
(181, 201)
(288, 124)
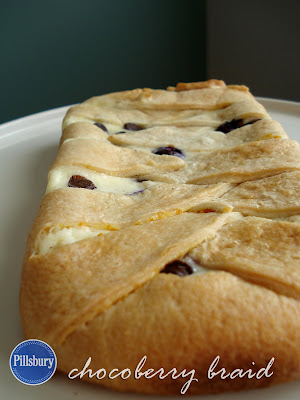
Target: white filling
(112, 129)
(60, 237)
(197, 269)
(59, 178)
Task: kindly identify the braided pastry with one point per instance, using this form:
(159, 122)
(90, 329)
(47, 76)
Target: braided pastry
(169, 235)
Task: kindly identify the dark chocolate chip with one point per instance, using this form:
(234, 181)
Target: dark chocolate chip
(178, 268)
(229, 126)
(169, 150)
(130, 126)
(77, 181)
(101, 126)
(117, 133)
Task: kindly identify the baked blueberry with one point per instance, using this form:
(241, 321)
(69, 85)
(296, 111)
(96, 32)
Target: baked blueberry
(229, 126)
(101, 126)
(130, 126)
(169, 150)
(78, 181)
(178, 268)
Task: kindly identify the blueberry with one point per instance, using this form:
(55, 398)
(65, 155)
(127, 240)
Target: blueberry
(101, 126)
(178, 268)
(169, 150)
(78, 181)
(229, 126)
(130, 126)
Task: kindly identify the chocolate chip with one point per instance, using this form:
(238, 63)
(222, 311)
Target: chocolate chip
(178, 268)
(229, 126)
(130, 126)
(78, 181)
(101, 126)
(169, 150)
(117, 133)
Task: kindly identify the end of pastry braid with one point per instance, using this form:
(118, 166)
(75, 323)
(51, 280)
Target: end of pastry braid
(169, 233)
(211, 83)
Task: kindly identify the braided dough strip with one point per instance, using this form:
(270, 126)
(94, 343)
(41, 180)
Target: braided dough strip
(68, 286)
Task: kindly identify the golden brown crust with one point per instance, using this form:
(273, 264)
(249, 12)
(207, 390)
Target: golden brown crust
(105, 269)
(198, 85)
(104, 157)
(259, 250)
(192, 138)
(71, 207)
(277, 196)
(187, 323)
(229, 205)
(168, 107)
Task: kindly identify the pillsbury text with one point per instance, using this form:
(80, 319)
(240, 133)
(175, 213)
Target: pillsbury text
(26, 361)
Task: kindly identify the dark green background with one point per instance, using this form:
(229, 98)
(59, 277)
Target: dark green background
(62, 52)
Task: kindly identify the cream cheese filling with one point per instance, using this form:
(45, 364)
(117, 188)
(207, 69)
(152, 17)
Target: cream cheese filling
(62, 236)
(197, 269)
(59, 177)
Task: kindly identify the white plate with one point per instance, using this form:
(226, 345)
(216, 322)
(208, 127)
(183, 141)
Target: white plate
(27, 148)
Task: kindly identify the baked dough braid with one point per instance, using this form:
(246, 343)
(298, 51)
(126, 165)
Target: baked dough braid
(170, 229)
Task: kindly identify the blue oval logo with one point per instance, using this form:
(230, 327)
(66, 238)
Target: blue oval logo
(33, 362)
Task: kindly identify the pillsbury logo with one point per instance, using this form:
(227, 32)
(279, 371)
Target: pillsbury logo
(33, 362)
